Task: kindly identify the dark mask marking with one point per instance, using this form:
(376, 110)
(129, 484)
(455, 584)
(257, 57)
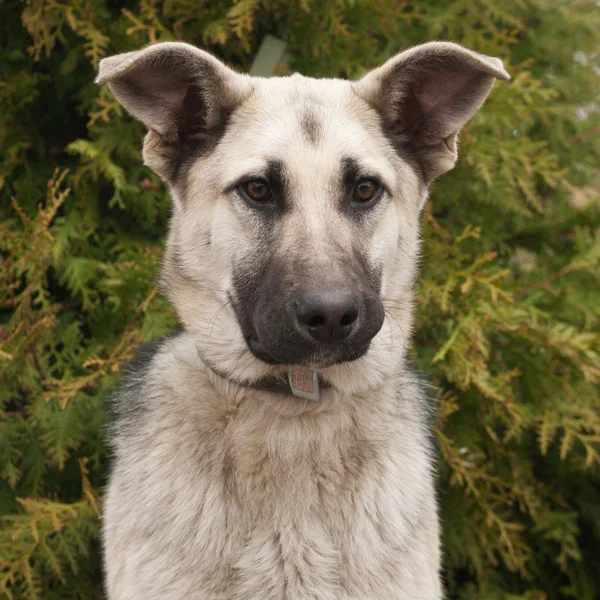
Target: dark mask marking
(311, 126)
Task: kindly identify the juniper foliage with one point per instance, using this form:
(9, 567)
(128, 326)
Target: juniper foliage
(509, 301)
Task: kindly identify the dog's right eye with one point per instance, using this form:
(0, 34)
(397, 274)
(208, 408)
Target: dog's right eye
(257, 191)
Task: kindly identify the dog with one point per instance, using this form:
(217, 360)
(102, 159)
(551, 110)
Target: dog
(280, 447)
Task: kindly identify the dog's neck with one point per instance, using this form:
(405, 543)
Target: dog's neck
(299, 382)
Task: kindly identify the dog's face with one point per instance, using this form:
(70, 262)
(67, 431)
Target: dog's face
(295, 230)
(307, 210)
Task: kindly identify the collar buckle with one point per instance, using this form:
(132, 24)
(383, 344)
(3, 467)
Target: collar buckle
(304, 383)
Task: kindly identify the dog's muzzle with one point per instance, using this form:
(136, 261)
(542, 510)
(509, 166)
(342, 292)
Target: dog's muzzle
(316, 327)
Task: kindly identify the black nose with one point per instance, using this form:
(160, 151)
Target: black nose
(327, 315)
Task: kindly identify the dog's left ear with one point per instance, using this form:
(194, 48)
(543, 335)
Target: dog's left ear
(182, 94)
(426, 94)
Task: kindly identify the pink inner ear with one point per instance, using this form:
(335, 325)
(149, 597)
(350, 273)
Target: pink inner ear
(426, 94)
(171, 94)
(160, 96)
(449, 98)
(442, 88)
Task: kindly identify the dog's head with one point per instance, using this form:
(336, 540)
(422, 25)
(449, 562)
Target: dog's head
(295, 230)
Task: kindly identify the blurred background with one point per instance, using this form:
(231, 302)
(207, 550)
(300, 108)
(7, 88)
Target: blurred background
(508, 304)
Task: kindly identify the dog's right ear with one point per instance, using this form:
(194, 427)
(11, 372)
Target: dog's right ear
(182, 94)
(426, 94)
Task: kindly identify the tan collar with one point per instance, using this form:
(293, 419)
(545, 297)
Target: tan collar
(300, 382)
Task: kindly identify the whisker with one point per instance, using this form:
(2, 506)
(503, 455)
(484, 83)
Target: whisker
(391, 343)
(213, 320)
(413, 256)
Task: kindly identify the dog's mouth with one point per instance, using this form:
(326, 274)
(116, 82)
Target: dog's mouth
(259, 351)
(317, 358)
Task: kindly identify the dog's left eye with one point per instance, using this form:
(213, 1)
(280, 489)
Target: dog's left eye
(257, 190)
(365, 191)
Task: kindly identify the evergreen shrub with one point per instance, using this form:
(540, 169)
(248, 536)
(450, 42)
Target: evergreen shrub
(508, 301)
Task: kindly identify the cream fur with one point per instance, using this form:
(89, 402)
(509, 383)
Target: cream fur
(221, 492)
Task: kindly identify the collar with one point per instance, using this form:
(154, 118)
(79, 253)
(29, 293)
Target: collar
(299, 382)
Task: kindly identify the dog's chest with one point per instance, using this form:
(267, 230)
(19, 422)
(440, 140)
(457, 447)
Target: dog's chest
(326, 517)
(281, 510)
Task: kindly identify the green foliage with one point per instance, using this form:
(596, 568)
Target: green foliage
(509, 305)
